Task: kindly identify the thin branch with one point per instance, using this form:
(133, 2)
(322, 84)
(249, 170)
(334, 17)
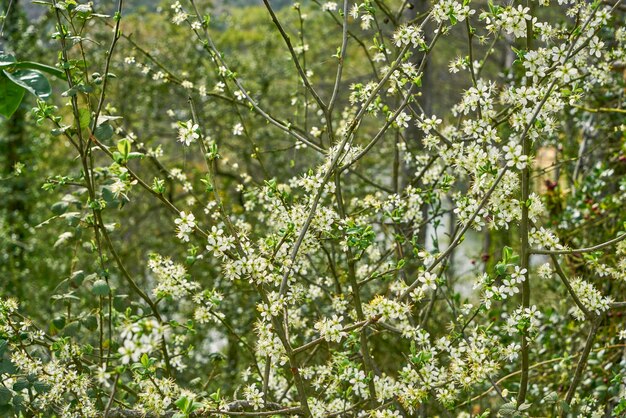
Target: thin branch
(294, 56)
(615, 240)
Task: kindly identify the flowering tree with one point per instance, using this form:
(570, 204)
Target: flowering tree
(340, 238)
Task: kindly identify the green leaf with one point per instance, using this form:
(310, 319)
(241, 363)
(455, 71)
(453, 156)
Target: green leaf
(100, 288)
(72, 329)
(72, 218)
(185, 404)
(7, 367)
(134, 155)
(90, 322)
(120, 302)
(551, 398)
(63, 238)
(103, 132)
(59, 208)
(11, 95)
(109, 197)
(507, 252)
(70, 92)
(145, 360)
(77, 277)
(18, 400)
(20, 384)
(507, 409)
(5, 395)
(33, 81)
(6, 60)
(41, 387)
(40, 67)
(59, 322)
(83, 9)
(501, 269)
(105, 118)
(84, 116)
(123, 146)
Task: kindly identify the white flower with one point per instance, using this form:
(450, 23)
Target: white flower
(545, 271)
(428, 124)
(254, 396)
(103, 376)
(218, 243)
(185, 224)
(402, 120)
(129, 352)
(429, 281)
(179, 17)
(329, 6)
(331, 329)
(406, 35)
(188, 132)
(590, 297)
(566, 72)
(514, 156)
(518, 275)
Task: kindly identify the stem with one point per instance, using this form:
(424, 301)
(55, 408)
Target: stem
(524, 261)
(582, 362)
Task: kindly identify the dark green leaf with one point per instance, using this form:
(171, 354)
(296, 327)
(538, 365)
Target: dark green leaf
(103, 132)
(59, 322)
(109, 197)
(41, 387)
(5, 395)
(59, 208)
(33, 81)
(18, 400)
(7, 367)
(77, 277)
(119, 302)
(11, 95)
(507, 409)
(40, 67)
(100, 288)
(72, 329)
(90, 322)
(6, 60)
(20, 384)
